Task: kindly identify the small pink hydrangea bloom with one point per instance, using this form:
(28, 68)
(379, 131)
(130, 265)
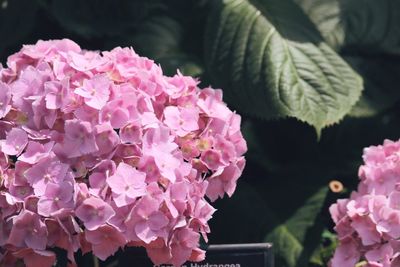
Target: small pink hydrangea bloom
(94, 212)
(127, 184)
(95, 91)
(15, 142)
(368, 223)
(5, 98)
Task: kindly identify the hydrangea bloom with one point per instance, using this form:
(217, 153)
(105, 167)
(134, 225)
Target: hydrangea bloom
(368, 223)
(99, 151)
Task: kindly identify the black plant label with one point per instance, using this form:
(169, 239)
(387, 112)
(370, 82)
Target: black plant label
(232, 255)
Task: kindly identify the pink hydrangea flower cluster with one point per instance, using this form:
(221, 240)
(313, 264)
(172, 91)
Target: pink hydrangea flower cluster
(368, 223)
(99, 151)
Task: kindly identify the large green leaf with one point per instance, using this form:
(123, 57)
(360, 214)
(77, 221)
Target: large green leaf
(293, 241)
(164, 34)
(96, 18)
(380, 79)
(374, 25)
(324, 252)
(326, 16)
(161, 38)
(272, 62)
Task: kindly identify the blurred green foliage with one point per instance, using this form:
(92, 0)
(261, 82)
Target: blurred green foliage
(332, 64)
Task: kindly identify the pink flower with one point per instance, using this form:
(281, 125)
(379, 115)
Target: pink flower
(15, 142)
(130, 133)
(366, 230)
(179, 84)
(45, 171)
(189, 150)
(147, 222)
(5, 98)
(56, 200)
(94, 213)
(127, 184)
(368, 223)
(28, 230)
(105, 240)
(383, 255)
(69, 117)
(147, 165)
(95, 91)
(166, 164)
(36, 258)
(183, 243)
(338, 210)
(19, 193)
(159, 252)
(394, 200)
(227, 149)
(79, 138)
(46, 49)
(57, 94)
(178, 198)
(212, 159)
(84, 61)
(203, 212)
(346, 255)
(116, 115)
(36, 151)
(225, 181)
(214, 108)
(106, 138)
(182, 121)
(158, 145)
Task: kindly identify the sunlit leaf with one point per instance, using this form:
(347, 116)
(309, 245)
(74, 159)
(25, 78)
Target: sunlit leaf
(272, 62)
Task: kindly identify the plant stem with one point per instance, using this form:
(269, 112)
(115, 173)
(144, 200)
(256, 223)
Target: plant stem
(95, 261)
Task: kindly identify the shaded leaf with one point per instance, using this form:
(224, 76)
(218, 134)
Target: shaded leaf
(291, 239)
(187, 65)
(163, 33)
(326, 16)
(374, 25)
(272, 62)
(95, 18)
(166, 36)
(287, 248)
(325, 250)
(380, 79)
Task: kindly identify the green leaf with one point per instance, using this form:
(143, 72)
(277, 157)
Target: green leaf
(287, 248)
(326, 16)
(374, 25)
(272, 62)
(96, 18)
(295, 239)
(380, 79)
(187, 64)
(166, 36)
(16, 20)
(324, 252)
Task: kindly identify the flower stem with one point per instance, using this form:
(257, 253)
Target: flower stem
(95, 261)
